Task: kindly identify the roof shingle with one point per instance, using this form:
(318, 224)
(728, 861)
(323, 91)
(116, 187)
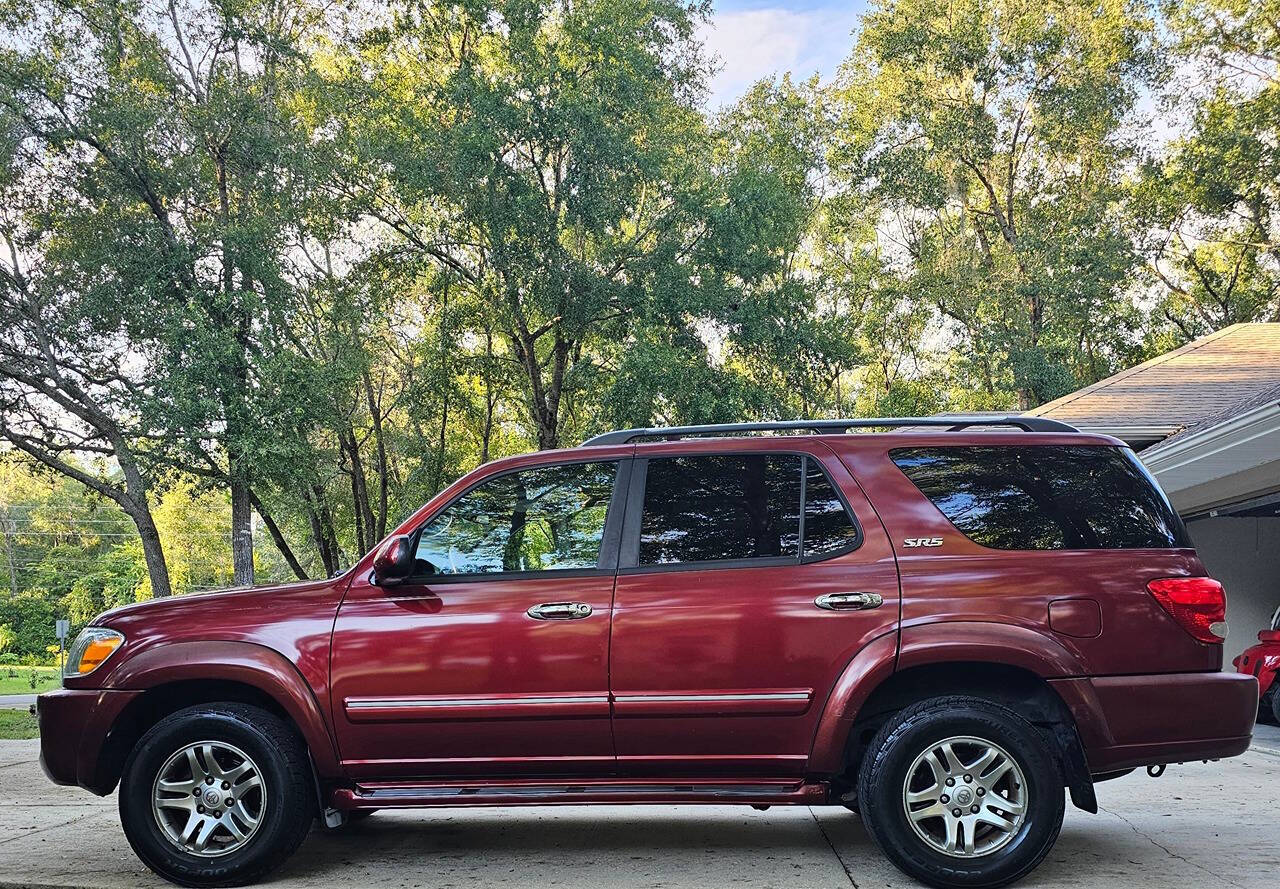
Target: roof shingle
(1203, 383)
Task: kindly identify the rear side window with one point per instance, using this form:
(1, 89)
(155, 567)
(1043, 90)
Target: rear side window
(827, 526)
(1075, 497)
(730, 507)
(723, 507)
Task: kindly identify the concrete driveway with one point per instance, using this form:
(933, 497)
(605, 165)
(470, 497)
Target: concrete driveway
(1214, 824)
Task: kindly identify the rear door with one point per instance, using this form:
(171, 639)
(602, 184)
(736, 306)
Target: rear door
(735, 609)
(493, 659)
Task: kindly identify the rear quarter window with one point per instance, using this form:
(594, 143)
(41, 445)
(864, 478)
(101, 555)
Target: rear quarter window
(1045, 498)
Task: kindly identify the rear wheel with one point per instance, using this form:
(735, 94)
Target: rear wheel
(959, 791)
(1275, 701)
(216, 795)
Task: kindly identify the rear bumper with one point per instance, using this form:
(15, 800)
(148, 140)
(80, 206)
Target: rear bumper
(1130, 721)
(75, 728)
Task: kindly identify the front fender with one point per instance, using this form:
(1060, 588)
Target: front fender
(244, 662)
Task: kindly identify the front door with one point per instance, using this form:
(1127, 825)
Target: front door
(747, 582)
(493, 659)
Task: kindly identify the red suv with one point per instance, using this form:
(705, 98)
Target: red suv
(941, 627)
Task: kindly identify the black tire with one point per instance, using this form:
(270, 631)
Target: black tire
(288, 808)
(1275, 701)
(1266, 707)
(883, 776)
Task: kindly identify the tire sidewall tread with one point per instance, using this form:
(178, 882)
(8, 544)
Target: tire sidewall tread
(286, 770)
(904, 736)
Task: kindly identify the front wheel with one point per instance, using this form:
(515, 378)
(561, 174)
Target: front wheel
(959, 791)
(1275, 700)
(216, 795)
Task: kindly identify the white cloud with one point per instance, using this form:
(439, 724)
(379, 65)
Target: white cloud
(763, 41)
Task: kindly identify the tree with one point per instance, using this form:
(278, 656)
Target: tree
(983, 142)
(167, 131)
(64, 392)
(548, 166)
(1210, 202)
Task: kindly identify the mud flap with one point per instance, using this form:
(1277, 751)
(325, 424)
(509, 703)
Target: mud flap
(1075, 768)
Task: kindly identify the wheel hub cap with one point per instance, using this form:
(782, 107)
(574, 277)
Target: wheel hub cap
(208, 798)
(965, 797)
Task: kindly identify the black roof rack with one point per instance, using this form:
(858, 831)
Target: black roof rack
(829, 427)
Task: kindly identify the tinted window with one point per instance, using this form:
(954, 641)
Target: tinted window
(828, 527)
(1045, 497)
(731, 506)
(539, 519)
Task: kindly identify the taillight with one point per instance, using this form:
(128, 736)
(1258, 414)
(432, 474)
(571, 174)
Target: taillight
(1199, 604)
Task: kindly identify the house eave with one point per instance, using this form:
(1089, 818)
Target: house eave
(1222, 464)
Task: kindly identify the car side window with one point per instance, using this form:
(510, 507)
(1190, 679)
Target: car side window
(720, 507)
(1045, 497)
(731, 507)
(542, 519)
(828, 527)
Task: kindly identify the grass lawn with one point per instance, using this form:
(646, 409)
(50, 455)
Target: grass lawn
(17, 680)
(18, 724)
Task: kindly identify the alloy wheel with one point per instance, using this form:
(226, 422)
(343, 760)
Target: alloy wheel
(965, 797)
(208, 798)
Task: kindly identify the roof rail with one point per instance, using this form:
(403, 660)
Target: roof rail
(829, 427)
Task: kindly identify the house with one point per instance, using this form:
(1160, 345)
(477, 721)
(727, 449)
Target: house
(1205, 419)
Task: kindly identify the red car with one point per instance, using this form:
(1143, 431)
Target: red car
(941, 627)
(1263, 661)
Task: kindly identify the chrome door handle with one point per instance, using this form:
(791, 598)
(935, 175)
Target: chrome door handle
(849, 601)
(560, 611)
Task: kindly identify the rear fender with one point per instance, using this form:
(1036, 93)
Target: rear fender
(988, 642)
(958, 642)
(869, 667)
(244, 662)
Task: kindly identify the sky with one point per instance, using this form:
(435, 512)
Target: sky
(758, 38)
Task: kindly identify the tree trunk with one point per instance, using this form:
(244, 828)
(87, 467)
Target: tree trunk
(375, 418)
(322, 532)
(486, 432)
(278, 536)
(438, 482)
(241, 530)
(361, 508)
(8, 551)
(152, 549)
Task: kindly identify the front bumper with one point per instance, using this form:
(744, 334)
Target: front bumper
(1131, 721)
(1262, 661)
(75, 731)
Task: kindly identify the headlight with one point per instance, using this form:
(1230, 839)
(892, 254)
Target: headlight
(93, 646)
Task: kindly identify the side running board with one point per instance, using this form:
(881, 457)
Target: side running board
(533, 792)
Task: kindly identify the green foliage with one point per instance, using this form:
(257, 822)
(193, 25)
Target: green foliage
(18, 725)
(990, 137)
(1208, 206)
(276, 273)
(32, 619)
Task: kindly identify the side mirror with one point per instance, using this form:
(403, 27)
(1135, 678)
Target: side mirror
(394, 562)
